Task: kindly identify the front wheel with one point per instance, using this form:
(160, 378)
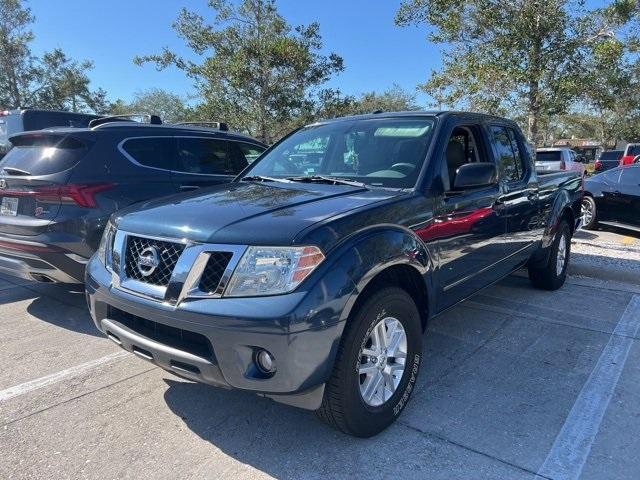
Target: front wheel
(553, 273)
(588, 210)
(377, 365)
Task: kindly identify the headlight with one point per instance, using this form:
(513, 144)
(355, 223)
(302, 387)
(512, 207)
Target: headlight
(106, 245)
(272, 270)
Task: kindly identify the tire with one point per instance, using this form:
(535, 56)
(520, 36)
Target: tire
(589, 213)
(552, 275)
(344, 406)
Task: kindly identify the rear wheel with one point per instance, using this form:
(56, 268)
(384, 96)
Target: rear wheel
(377, 365)
(553, 273)
(589, 219)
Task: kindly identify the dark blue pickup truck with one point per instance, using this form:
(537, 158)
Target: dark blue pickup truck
(310, 278)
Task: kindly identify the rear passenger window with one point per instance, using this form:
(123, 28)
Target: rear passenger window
(511, 166)
(150, 152)
(204, 156)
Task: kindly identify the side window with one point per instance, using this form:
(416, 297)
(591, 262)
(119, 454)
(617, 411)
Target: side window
(204, 156)
(519, 154)
(250, 152)
(630, 176)
(243, 154)
(510, 166)
(150, 152)
(462, 148)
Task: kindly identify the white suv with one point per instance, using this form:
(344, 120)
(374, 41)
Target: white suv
(558, 158)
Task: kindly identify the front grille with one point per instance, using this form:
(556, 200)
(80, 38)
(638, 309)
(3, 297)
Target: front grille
(168, 254)
(213, 271)
(183, 340)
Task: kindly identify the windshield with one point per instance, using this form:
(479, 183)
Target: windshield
(552, 156)
(386, 152)
(42, 155)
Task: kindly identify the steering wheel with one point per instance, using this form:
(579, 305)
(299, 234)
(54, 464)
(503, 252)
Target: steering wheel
(404, 168)
(636, 159)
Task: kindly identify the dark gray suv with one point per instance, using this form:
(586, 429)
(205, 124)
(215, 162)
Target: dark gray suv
(59, 186)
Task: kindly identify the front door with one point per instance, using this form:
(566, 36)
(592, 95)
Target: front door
(468, 226)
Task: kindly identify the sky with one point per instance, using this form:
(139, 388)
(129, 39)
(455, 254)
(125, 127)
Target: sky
(376, 52)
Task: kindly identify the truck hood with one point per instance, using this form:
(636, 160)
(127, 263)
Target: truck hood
(246, 213)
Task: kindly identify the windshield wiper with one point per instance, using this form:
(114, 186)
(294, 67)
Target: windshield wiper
(15, 171)
(262, 178)
(323, 179)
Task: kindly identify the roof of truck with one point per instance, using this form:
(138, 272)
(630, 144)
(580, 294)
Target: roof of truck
(414, 113)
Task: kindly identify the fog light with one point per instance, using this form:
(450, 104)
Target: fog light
(265, 361)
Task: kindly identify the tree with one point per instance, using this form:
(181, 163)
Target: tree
(394, 99)
(17, 66)
(169, 106)
(64, 85)
(331, 103)
(517, 55)
(256, 72)
(53, 81)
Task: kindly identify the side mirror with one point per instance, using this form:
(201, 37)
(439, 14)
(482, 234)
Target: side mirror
(475, 175)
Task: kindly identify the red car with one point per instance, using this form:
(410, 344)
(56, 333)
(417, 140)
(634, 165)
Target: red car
(631, 152)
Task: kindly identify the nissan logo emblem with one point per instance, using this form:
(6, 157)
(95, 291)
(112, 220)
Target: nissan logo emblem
(148, 261)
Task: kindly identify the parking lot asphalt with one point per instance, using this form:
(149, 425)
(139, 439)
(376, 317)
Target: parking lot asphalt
(516, 383)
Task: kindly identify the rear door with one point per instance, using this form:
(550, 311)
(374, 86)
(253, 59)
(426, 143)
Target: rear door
(148, 172)
(519, 199)
(629, 195)
(31, 176)
(607, 205)
(203, 162)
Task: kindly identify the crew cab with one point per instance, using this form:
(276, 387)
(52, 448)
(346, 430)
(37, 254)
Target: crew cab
(559, 158)
(310, 278)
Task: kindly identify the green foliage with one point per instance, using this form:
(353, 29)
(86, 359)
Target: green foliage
(53, 81)
(257, 72)
(513, 56)
(17, 65)
(332, 103)
(169, 106)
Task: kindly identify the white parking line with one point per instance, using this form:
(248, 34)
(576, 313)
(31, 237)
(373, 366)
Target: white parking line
(573, 444)
(57, 377)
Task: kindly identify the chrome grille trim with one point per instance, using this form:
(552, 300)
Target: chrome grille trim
(185, 278)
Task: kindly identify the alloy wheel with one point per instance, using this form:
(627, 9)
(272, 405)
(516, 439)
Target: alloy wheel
(382, 361)
(562, 255)
(587, 212)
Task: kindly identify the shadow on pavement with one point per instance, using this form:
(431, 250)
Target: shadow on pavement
(282, 441)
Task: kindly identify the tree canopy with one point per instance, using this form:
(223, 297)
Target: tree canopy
(53, 81)
(517, 55)
(255, 70)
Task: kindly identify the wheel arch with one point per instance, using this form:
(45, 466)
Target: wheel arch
(405, 277)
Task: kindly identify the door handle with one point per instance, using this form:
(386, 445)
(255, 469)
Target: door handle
(186, 188)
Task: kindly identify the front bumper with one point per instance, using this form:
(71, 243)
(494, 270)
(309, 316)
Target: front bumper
(214, 340)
